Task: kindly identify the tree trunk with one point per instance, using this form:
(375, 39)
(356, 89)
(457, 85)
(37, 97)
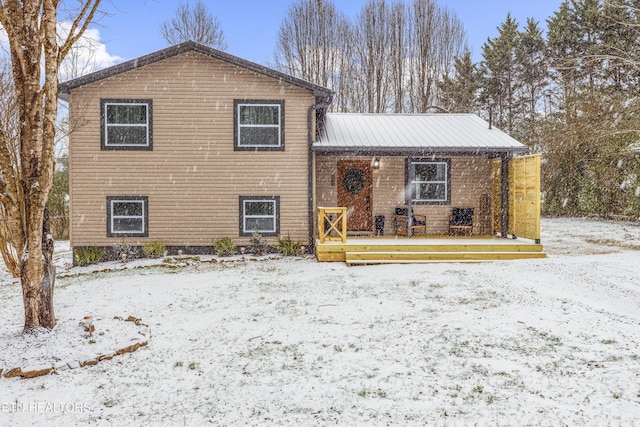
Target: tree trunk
(38, 294)
(31, 30)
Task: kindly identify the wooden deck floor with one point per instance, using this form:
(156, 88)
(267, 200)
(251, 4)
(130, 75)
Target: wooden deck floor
(392, 249)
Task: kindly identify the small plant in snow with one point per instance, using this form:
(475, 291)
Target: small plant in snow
(288, 247)
(154, 250)
(258, 244)
(88, 256)
(224, 246)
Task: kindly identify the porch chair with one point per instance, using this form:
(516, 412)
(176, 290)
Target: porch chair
(401, 222)
(461, 221)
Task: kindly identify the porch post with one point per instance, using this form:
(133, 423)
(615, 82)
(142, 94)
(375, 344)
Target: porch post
(322, 103)
(504, 164)
(409, 200)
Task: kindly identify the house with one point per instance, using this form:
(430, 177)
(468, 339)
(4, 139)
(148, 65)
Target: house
(187, 145)
(190, 144)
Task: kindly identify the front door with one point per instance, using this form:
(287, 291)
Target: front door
(354, 193)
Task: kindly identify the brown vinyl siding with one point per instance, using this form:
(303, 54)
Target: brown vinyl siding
(192, 176)
(470, 181)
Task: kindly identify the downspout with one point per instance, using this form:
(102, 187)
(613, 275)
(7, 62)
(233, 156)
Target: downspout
(409, 201)
(310, 189)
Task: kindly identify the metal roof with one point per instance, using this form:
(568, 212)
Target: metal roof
(322, 93)
(408, 133)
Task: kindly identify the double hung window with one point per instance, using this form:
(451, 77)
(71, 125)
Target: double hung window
(259, 125)
(430, 181)
(259, 214)
(126, 124)
(127, 216)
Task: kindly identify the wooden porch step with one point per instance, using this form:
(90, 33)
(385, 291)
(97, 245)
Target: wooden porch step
(352, 258)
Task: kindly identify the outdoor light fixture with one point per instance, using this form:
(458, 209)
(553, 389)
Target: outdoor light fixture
(376, 163)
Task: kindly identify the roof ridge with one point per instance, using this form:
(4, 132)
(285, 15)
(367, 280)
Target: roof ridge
(171, 51)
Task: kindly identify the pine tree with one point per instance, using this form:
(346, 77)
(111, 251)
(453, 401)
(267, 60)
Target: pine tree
(532, 73)
(500, 73)
(459, 93)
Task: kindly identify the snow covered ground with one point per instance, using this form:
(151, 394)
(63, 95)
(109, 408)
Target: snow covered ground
(552, 341)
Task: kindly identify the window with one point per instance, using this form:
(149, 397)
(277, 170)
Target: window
(430, 181)
(259, 125)
(126, 124)
(127, 216)
(261, 214)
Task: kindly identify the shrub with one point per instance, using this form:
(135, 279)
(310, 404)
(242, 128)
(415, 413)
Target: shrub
(154, 250)
(288, 247)
(124, 248)
(258, 244)
(88, 256)
(224, 246)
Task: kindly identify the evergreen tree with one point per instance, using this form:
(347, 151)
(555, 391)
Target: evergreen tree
(591, 49)
(500, 73)
(532, 73)
(459, 93)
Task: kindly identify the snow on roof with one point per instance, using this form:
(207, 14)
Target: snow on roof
(412, 133)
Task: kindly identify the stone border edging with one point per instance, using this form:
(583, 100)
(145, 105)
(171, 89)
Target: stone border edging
(184, 262)
(34, 372)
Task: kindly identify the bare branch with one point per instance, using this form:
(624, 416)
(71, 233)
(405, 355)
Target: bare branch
(196, 24)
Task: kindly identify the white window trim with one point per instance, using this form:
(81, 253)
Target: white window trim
(114, 217)
(107, 125)
(414, 182)
(245, 216)
(278, 126)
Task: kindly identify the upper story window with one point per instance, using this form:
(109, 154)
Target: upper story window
(430, 181)
(127, 216)
(259, 125)
(126, 124)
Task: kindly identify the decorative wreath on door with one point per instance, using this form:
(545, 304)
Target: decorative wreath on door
(353, 180)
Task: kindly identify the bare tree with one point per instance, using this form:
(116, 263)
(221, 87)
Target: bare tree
(27, 168)
(398, 40)
(389, 59)
(373, 52)
(196, 24)
(80, 60)
(438, 37)
(311, 42)
(9, 131)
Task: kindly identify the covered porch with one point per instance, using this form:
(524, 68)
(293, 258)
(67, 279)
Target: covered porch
(400, 185)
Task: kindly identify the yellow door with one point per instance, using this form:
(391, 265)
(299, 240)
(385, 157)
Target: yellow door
(524, 196)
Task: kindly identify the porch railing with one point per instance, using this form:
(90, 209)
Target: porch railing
(332, 224)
